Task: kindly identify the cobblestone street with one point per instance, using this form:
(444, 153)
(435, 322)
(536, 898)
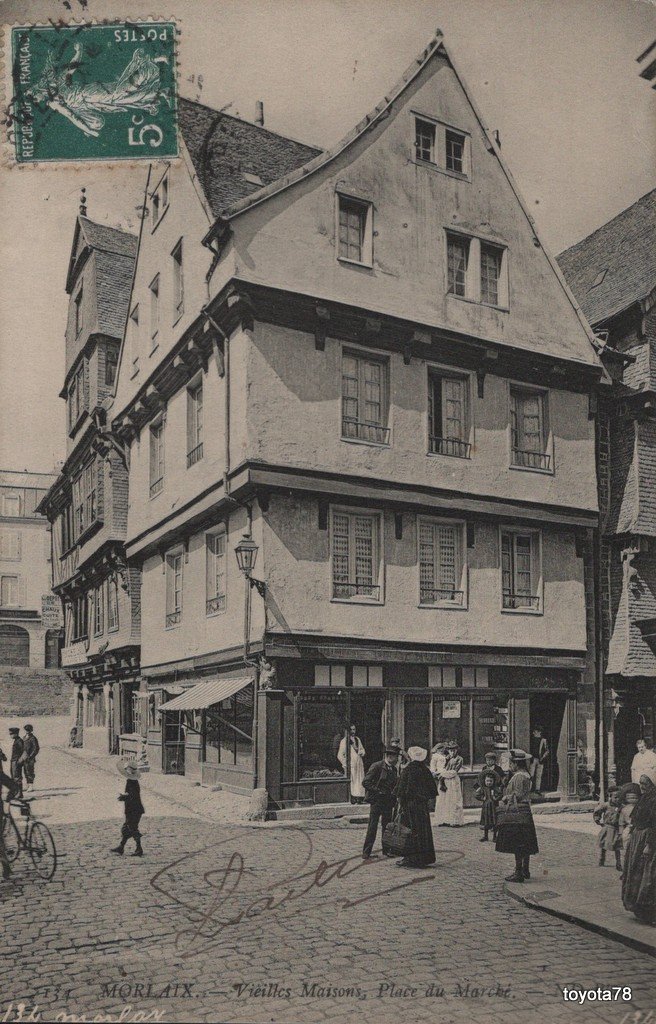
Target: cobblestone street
(231, 923)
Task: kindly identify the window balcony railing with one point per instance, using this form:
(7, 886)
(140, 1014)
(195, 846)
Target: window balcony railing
(195, 455)
(173, 619)
(520, 600)
(431, 596)
(354, 430)
(346, 590)
(450, 446)
(215, 604)
(156, 486)
(531, 460)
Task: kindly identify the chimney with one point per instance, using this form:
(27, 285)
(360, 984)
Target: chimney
(259, 113)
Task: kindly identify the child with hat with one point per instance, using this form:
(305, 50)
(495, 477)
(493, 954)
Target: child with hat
(489, 789)
(134, 809)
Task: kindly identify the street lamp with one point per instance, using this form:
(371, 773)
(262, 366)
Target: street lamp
(246, 552)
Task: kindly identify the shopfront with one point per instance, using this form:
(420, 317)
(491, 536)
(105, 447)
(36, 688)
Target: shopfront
(479, 708)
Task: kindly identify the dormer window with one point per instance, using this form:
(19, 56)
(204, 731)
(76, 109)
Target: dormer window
(159, 200)
(354, 231)
(444, 147)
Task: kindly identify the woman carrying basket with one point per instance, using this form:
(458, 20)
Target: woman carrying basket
(516, 831)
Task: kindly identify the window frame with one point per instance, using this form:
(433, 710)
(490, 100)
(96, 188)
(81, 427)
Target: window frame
(155, 310)
(85, 500)
(461, 565)
(378, 554)
(457, 237)
(536, 570)
(366, 210)
(547, 452)
(6, 498)
(134, 340)
(157, 206)
(476, 245)
(111, 351)
(156, 428)
(173, 616)
(221, 599)
(366, 357)
(177, 255)
(422, 122)
(98, 595)
(5, 536)
(113, 622)
(461, 448)
(11, 576)
(441, 130)
(79, 312)
(195, 431)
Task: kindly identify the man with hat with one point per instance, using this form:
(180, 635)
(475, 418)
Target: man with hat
(379, 783)
(134, 809)
(16, 765)
(30, 751)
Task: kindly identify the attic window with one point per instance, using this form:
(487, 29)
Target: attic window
(443, 147)
(599, 278)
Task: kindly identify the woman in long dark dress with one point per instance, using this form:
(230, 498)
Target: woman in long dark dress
(516, 831)
(414, 792)
(134, 810)
(639, 877)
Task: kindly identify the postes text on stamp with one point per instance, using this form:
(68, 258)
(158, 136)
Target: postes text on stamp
(94, 92)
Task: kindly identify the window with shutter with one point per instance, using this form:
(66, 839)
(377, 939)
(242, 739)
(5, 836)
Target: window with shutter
(178, 282)
(520, 571)
(365, 387)
(156, 459)
(528, 429)
(194, 424)
(441, 563)
(457, 263)
(215, 592)
(112, 604)
(10, 545)
(448, 417)
(9, 591)
(355, 556)
(173, 589)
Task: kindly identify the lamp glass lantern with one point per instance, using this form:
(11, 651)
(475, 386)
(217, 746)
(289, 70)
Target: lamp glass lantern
(246, 554)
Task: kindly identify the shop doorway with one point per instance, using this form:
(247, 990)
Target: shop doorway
(367, 711)
(627, 731)
(547, 712)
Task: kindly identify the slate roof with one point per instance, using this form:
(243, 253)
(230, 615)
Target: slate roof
(621, 254)
(224, 148)
(25, 478)
(113, 284)
(108, 239)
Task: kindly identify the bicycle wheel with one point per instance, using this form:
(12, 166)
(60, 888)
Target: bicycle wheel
(10, 838)
(42, 850)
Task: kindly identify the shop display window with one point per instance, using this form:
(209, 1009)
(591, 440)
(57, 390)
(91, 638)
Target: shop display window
(229, 730)
(451, 722)
(490, 727)
(322, 722)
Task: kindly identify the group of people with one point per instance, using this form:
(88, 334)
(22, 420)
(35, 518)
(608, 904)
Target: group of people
(22, 760)
(403, 787)
(628, 825)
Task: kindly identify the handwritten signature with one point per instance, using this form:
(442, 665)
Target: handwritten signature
(227, 889)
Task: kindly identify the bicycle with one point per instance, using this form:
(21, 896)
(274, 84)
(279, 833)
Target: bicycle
(36, 840)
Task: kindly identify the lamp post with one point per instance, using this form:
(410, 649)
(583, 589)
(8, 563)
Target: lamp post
(246, 554)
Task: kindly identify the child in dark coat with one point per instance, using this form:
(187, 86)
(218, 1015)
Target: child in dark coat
(489, 789)
(608, 816)
(134, 809)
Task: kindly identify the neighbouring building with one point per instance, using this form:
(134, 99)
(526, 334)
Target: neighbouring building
(364, 360)
(612, 273)
(87, 503)
(30, 628)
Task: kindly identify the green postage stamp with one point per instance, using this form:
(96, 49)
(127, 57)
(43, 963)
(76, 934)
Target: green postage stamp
(93, 92)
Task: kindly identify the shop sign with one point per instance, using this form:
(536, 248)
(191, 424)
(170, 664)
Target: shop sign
(74, 654)
(51, 612)
(451, 709)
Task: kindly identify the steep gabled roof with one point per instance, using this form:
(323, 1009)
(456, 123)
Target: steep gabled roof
(102, 238)
(225, 150)
(614, 266)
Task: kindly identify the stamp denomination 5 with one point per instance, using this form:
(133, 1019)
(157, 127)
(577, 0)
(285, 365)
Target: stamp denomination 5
(93, 92)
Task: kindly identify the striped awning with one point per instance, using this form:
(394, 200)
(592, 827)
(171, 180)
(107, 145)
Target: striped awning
(203, 695)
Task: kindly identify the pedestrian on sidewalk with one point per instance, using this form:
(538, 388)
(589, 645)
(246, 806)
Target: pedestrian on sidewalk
(643, 760)
(629, 795)
(134, 809)
(379, 783)
(516, 831)
(639, 877)
(489, 789)
(414, 791)
(15, 759)
(31, 750)
(449, 807)
(607, 815)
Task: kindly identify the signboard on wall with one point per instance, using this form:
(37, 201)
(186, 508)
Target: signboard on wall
(51, 612)
(74, 654)
(451, 709)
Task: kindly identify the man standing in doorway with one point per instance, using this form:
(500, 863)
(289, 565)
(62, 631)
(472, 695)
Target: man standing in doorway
(379, 783)
(30, 751)
(15, 759)
(539, 755)
(644, 760)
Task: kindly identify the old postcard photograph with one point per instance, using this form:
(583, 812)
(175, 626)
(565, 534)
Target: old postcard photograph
(328, 511)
